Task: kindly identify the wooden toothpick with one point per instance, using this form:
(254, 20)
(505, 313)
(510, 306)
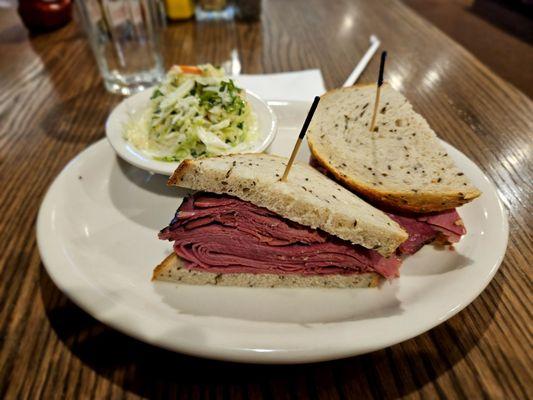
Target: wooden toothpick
(300, 138)
(378, 90)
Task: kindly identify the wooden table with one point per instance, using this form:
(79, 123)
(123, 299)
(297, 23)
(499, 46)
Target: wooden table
(53, 105)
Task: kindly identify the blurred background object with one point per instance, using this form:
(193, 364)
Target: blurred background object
(498, 32)
(247, 10)
(179, 9)
(125, 37)
(232, 67)
(214, 10)
(45, 15)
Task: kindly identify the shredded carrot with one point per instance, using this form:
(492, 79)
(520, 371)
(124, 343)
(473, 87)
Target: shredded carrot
(190, 69)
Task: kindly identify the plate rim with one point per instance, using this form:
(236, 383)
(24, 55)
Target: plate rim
(277, 356)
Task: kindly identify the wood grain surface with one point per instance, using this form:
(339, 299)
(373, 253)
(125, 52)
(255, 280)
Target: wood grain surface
(53, 105)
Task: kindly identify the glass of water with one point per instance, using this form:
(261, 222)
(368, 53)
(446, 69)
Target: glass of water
(125, 36)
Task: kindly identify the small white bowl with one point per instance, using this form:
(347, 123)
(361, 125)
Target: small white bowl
(266, 119)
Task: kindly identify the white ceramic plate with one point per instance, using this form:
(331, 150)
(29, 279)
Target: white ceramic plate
(97, 234)
(114, 127)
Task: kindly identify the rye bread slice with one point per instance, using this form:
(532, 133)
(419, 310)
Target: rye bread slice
(172, 269)
(400, 165)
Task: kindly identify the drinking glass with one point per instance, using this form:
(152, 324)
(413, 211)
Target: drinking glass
(125, 36)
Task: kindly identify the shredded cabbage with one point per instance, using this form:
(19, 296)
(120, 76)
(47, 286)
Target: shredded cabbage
(192, 114)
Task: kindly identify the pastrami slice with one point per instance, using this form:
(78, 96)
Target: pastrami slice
(422, 230)
(448, 223)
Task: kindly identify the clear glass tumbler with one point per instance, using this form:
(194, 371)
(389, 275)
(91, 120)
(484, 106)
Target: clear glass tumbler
(125, 36)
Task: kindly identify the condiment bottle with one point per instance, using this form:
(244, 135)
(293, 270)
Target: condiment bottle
(45, 15)
(179, 9)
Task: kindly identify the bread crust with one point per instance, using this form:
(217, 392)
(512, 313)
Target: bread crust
(171, 269)
(403, 202)
(178, 173)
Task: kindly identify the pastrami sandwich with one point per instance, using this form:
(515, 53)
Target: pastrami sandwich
(400, 167)
(244, 227)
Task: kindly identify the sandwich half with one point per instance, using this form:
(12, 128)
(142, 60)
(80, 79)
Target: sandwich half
(400, 167)
(244, 227)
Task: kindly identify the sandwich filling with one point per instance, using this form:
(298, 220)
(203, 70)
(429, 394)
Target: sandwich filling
(223, 234)
(444, 227)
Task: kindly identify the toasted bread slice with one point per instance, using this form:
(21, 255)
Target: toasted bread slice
(307, 197)
(400, 165)
(171, 269)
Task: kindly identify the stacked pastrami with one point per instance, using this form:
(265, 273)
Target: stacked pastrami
(223, 234)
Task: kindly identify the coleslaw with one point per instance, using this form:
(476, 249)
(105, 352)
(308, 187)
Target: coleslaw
(196, 111)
